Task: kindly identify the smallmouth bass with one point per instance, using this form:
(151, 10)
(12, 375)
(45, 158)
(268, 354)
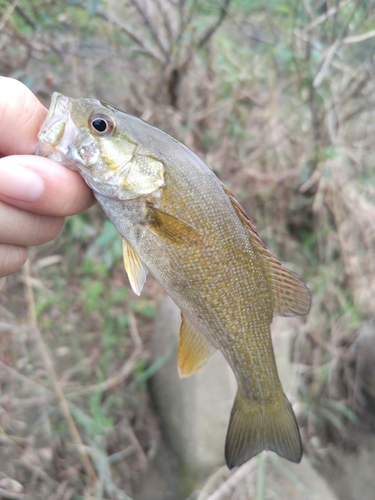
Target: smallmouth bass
(180, 222)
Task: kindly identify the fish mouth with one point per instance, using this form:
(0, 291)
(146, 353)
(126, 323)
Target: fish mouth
(54, 100)
(58, 133)
(54, 126)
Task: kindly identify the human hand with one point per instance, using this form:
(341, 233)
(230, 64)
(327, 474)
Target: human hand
(35, 193)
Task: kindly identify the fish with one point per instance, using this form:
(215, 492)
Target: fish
(178, 221)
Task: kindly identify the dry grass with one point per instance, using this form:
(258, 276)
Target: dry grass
(60, 435)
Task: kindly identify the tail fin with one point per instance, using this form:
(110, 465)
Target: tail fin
(254, 427)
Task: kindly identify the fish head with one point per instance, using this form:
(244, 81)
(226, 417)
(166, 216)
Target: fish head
(91, 137)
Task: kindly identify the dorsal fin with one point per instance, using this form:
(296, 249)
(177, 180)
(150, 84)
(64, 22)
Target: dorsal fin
(290, 295)
(194, 349)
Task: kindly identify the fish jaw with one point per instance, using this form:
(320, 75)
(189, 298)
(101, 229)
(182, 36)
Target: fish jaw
(58, 133)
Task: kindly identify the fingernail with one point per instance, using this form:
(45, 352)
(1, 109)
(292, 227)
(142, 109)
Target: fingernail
(18, 182)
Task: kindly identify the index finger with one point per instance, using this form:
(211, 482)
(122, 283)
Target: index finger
(21, 116)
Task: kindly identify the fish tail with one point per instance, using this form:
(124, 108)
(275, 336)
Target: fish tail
(256, 426)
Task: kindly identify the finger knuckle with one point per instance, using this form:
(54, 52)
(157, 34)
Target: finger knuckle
(12, 258)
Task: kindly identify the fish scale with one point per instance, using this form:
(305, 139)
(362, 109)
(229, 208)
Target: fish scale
(178, 221)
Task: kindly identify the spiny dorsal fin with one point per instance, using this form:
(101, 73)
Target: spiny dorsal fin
(194, 349)
(170, 228)
(136, 270)
(290, 295)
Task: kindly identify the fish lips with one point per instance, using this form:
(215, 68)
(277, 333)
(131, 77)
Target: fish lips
(57, 134)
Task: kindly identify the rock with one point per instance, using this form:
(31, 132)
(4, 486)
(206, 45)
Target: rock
(350, 475)
(364, 355)
(194, 411)
(302, 482)
(268, 476)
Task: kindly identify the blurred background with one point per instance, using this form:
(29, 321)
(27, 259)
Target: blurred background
(277, 97)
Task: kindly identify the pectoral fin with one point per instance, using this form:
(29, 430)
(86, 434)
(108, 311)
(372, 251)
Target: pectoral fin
(136, 270)
(289, 293)
(194, 349)
(170, 228)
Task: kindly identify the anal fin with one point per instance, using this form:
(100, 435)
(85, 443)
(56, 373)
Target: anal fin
(137, 271)
(194, 349)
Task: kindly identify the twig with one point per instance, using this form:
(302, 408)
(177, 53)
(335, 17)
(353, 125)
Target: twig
(22, 378)
(330, 12)
(326, 64)
(148, 50)
(151, 28)
(26, 17)
(229, 485)
(166, 21)
(120, 455)
(260, 488)
(184, 19)
(211, 29)
(11, 495)
(210, 485)
(124, 371)
(142, 458)
(76, 438)
(136, 338)
(111, 382)
(81, 365)
(58, 494)
(8, 13)
(359, 38)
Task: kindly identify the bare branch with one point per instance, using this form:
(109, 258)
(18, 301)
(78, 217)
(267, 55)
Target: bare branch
(226, 489)
(211, 29)
(76, 438)
(326, 64)
(166, 21)
(184, 21)
(146, 49)
(330, 12)
(26, 17)
(333, 49)
(116, 379)
(150, 27)
(359, 38)
(11, 495)
(7, 14)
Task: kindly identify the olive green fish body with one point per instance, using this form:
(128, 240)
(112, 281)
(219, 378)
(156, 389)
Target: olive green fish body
(181, 223)
(223, 261)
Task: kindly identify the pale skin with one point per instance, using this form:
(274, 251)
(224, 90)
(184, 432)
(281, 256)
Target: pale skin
(36, 194)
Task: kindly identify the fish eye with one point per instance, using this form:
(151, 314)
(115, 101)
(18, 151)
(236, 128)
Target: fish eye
(101, 124)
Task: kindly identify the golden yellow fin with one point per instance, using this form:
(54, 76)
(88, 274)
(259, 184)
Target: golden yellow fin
(136, 270)
(170, 228)
(194, 349)
(290, 295)
(254, 427)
